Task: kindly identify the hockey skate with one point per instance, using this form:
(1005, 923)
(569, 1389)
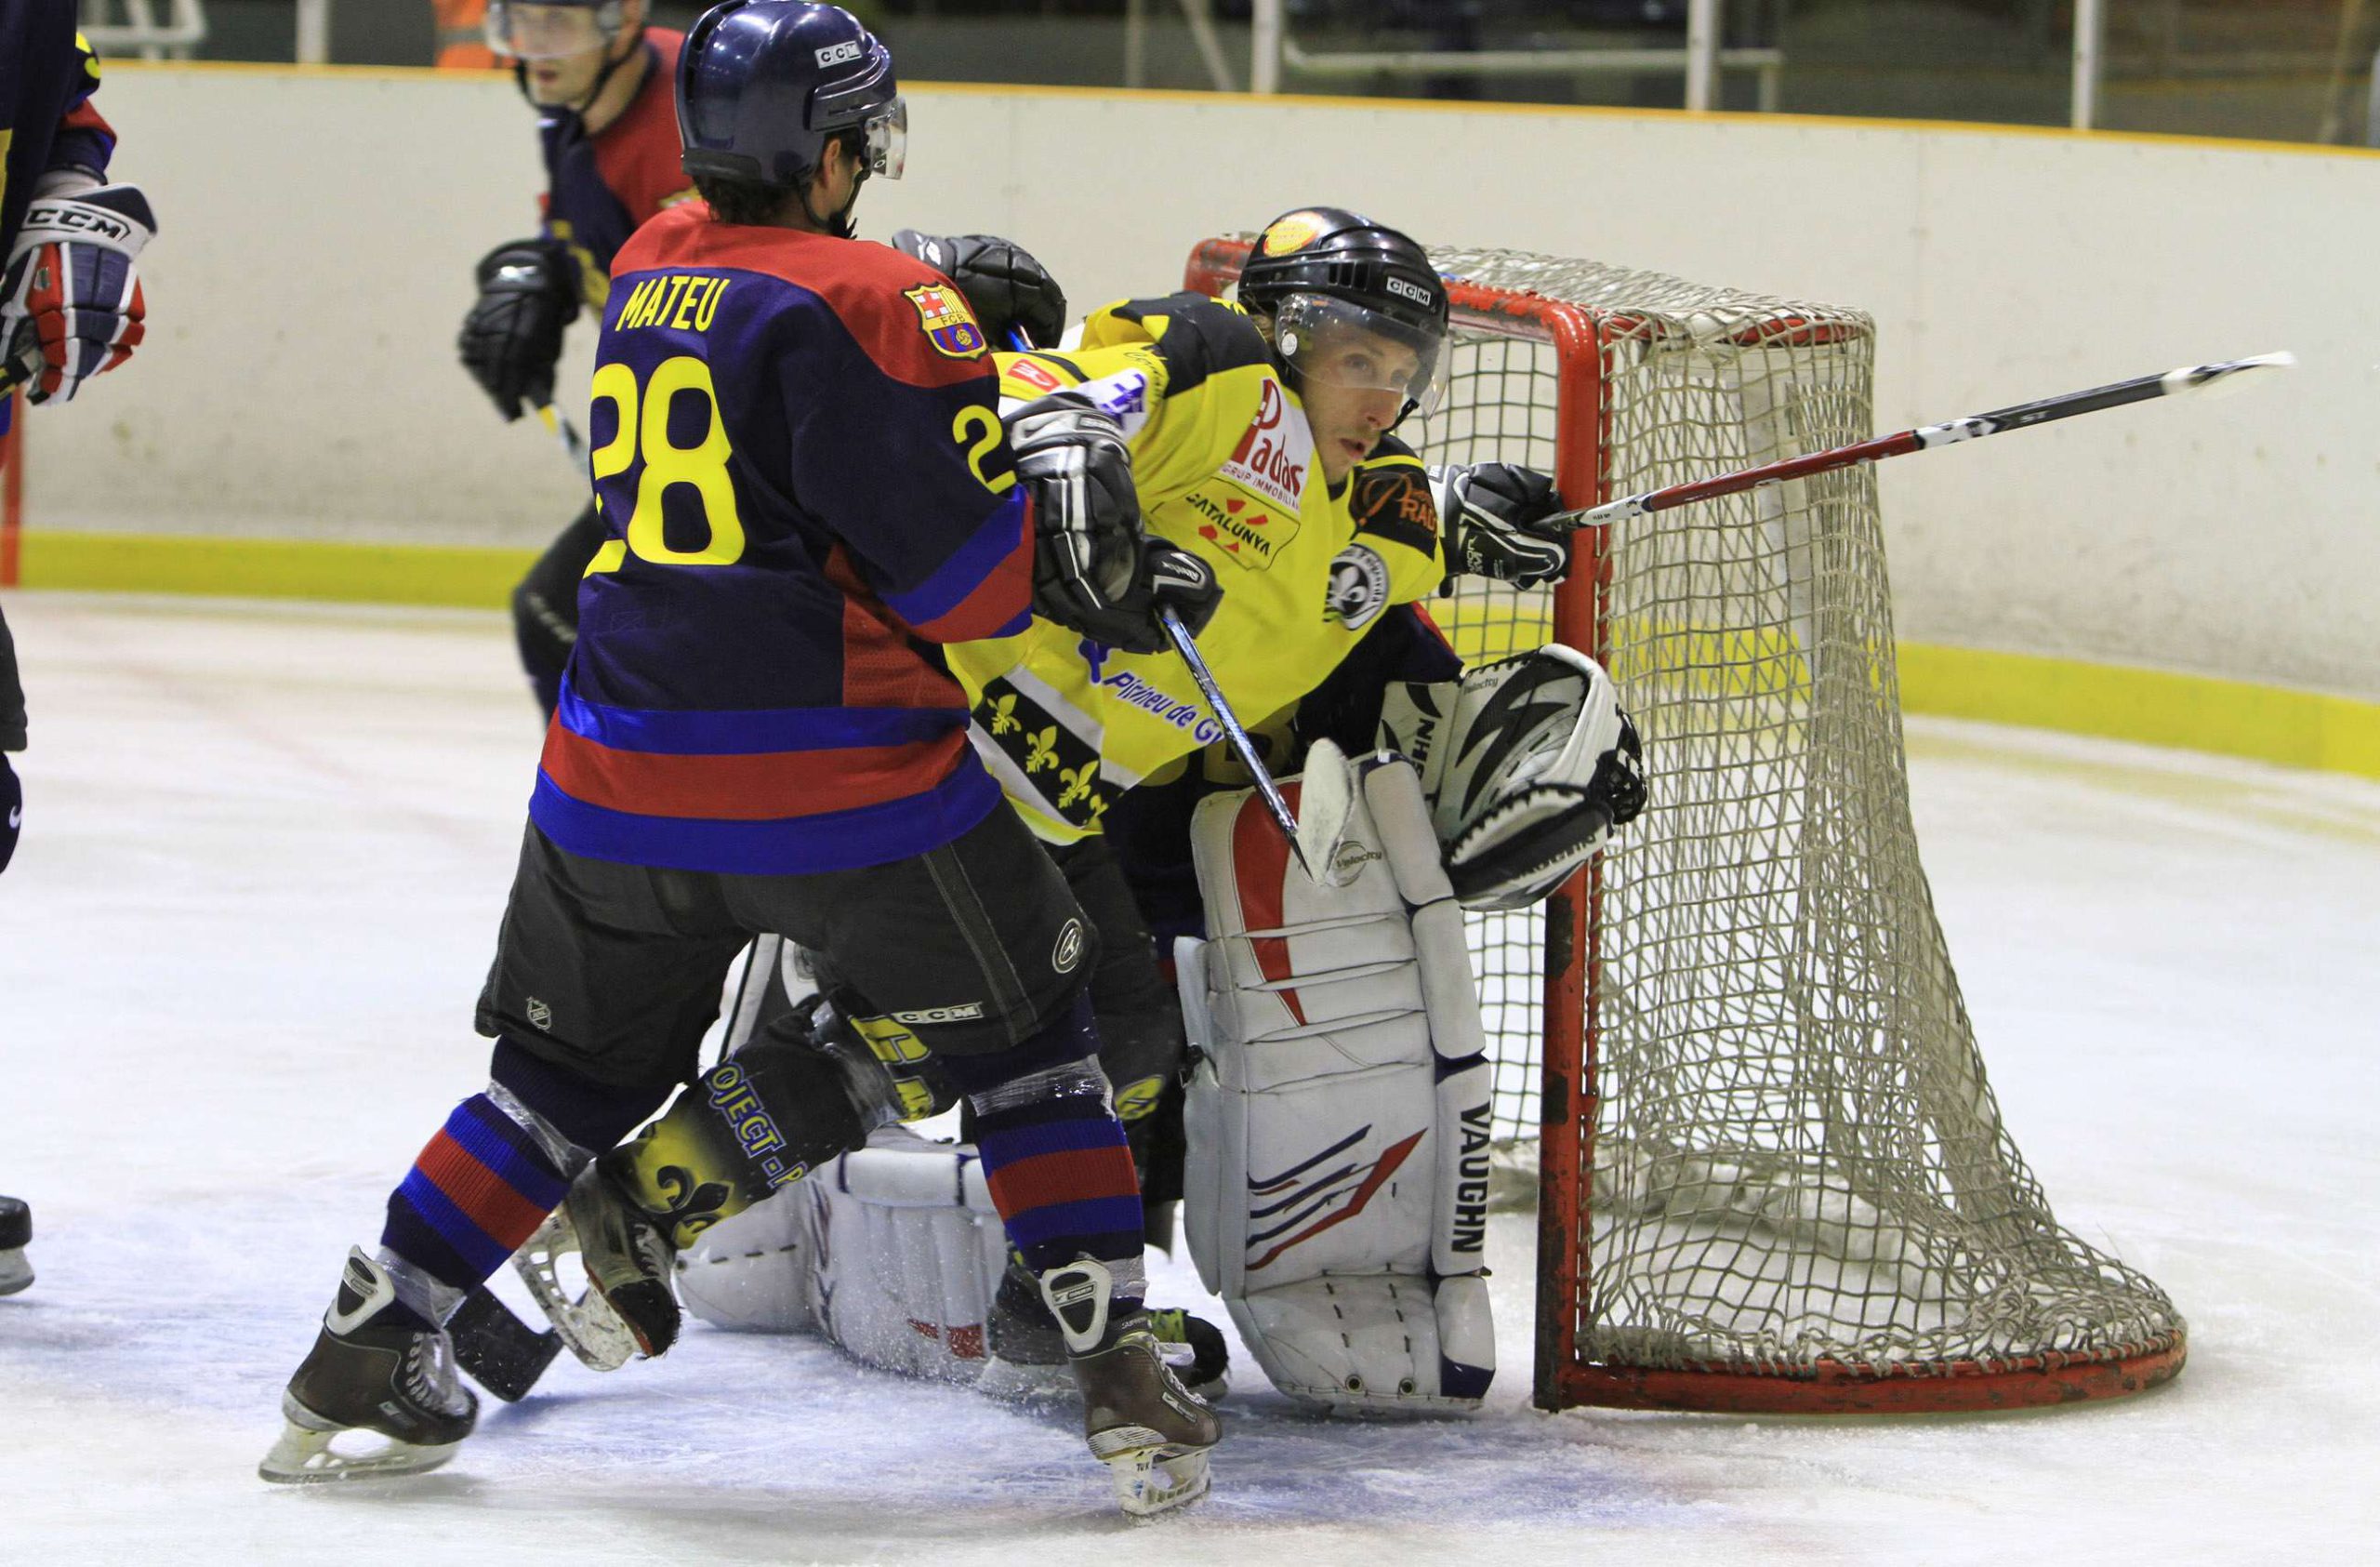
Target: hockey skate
(629, 1305)
(15, 1233)
(1149, 1430)
(1028, 1353)
(394, 1381)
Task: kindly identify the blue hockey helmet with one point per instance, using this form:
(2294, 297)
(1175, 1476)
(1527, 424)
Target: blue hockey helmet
(764, 85)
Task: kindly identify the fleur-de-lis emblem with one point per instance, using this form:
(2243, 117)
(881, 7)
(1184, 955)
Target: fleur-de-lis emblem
(693, 1205)
(1043, 750)
(1077, 782)
(1093, 811)
(1004, 714)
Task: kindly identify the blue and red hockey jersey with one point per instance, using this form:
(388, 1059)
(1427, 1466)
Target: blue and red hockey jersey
(799, 458)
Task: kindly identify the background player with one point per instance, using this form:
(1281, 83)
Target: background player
(600, 79)
(751, 738)
(70, 308)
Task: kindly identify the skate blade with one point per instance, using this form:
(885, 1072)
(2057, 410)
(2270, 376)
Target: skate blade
(304, 1456)
(587, 1324)
(16, 1273)
(1150, 1476)
(1150, 1483)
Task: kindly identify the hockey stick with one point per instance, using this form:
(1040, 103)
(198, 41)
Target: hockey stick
(573, 445)
(1241, 744)
(2181, 382)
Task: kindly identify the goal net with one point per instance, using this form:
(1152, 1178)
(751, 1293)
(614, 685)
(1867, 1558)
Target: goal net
(1770, 1170)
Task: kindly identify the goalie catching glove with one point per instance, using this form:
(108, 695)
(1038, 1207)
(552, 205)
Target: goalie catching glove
(71, 305)
(1529, 764)
(1094, 571)
(1005, 287)
(511, 340)
(1490, 512)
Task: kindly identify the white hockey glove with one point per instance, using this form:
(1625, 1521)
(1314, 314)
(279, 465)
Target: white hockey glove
(71, 305)
(1529, 764)
(1093, 570)
(1489, 511)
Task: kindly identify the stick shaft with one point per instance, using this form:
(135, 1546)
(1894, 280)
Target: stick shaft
(1242, 744)
(1974, 427)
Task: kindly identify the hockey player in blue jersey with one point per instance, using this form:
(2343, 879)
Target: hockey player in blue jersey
(70, 308)
(806, 486)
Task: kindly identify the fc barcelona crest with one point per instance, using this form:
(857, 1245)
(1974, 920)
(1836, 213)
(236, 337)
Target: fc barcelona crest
(948, 324)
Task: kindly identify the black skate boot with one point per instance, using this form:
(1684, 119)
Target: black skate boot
(1149, 1430)
(630, 1305)
(15, 1233)
(392, 1379)
(1028, 1356)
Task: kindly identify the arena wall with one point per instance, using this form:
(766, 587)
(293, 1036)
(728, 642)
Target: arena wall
(2187, 574)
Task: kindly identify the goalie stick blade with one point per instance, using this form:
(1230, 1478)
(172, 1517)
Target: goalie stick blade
(502, 1353)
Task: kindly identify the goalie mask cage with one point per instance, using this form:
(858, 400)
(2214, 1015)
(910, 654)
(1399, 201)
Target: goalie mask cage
(1771, 1173)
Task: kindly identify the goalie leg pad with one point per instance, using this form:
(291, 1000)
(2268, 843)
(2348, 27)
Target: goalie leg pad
(1339, 1106)
(894, 1252)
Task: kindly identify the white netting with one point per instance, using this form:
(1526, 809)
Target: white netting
(1799, 1161)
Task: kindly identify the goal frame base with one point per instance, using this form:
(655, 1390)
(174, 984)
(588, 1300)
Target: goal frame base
(1832, 1388)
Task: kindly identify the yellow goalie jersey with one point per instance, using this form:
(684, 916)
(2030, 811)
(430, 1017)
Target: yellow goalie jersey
(1225, 465)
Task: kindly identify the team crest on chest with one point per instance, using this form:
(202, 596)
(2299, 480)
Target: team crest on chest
(948, 324)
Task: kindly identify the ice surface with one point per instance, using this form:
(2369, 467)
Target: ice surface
(265, 852)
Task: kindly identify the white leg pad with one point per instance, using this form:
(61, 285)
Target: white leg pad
(891, 1252)
(1338, 1116)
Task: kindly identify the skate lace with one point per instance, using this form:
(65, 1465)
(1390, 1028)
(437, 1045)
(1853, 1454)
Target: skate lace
(431, 1376)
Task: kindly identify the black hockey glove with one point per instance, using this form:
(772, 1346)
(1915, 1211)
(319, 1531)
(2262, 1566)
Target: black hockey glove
(512, 337)
(1490, 510)
(1094, 571)
(1003, 283)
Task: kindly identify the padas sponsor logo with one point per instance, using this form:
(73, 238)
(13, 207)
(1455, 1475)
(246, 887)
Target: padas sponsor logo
(1274, 452)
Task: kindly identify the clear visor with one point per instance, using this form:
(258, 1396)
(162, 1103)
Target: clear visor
(529, 31)
(888, 139)
(1337, 342)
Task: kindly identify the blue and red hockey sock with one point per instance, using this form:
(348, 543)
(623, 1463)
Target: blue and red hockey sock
(1054, 1154)
(488, 1177)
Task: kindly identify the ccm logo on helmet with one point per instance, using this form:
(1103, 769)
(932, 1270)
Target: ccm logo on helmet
(835, 54)
(1408, 288)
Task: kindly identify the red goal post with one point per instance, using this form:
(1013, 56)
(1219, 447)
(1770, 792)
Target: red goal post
(1771, 1175)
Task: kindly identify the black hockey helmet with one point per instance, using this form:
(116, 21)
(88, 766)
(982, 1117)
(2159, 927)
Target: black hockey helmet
(1323, 267)
(764, 85)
